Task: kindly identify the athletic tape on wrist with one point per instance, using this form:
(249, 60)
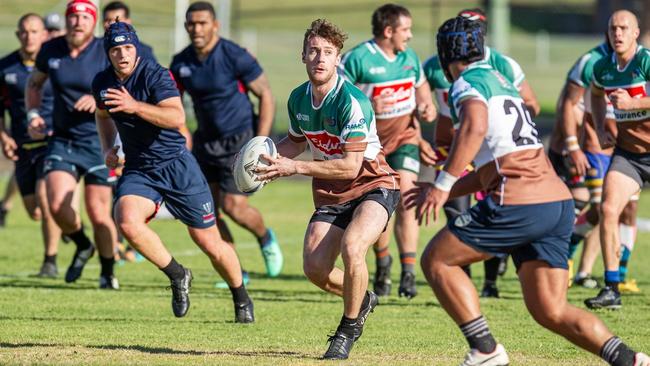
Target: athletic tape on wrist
(445, 181)
(33, 113)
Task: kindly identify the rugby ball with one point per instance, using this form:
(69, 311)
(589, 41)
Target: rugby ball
(249, 158)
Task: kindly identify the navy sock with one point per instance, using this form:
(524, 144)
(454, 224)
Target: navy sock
(478, 335)
(80, 239)
(174, 270)
(50, 259)
(107, 266)
(616, 353)
(612, 279)
(240, 295)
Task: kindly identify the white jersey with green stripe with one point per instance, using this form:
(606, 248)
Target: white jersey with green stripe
(582, 71)
(633, 125)
(440, 85)
(343, 122)
(511, 163)
(370, 69)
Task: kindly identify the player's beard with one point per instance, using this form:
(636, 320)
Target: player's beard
(79, 40)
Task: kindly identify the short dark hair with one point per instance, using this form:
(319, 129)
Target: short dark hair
(23, 18)
(327, 30)
(201, 6)
(117, 5)
(387, 16)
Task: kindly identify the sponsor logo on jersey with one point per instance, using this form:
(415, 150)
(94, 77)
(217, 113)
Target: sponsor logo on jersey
(54, 63)
(400, 91)
(11, 79)
(302, 117)
(407, 67)
(325, 142)
(102, 94)
(356, 125)
(377, 70)
(635, 91)
(330, 121)
(630, 115)
(608, 76)
(185, 71)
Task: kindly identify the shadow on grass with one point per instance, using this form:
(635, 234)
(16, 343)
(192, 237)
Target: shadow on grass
(167, 350)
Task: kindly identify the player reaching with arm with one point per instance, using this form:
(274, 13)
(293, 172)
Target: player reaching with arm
(139, 98)
(355, 191)
(496, 132)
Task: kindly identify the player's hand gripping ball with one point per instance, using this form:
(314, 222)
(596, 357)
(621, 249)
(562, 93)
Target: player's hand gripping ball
(249, 157)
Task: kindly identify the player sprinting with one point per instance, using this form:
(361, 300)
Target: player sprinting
(355, 191)
(622, 77)
(70, 62)
(139, 98)
(27, 153)
(390, 75)
(218, 74)
(444, 131)
(497, 132)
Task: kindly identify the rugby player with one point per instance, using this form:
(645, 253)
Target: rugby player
(27, 153)
(355, 191)
(512, 168)
(390, 74)
(139, 98)
(70, 62)
(117, 10)
(218, 74)
(622, 77)
(55, 25)
(444, 131)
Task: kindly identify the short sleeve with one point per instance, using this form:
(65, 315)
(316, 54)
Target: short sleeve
(420, 78)
(247, 68)
(461, 90)
(162, 86)
(645, 63)
(354, 126)
(596, 78)
(295, 132)
(582, 71)
(173, 68)
(511, 70)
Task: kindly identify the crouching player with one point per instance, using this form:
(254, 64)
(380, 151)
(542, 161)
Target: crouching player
(497, 132)
(139, 98)
(355, 191)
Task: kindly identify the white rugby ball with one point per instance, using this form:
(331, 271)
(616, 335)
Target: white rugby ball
(249, 157)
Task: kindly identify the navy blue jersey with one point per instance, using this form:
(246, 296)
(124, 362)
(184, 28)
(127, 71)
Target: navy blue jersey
(13, 78)
(217, 87)
(145, 51)
(71, 79)
(146, 146)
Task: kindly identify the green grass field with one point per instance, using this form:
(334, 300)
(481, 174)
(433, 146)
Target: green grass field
(50, 322)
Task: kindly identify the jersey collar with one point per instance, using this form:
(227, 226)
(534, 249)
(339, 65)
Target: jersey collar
(376, 47)
(334, 90)
(615, 61)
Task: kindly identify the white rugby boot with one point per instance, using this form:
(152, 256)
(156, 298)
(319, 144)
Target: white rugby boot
(498, 357)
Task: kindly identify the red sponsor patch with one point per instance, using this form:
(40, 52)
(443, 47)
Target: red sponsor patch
(400, 91)
(325, 142)
(208, 217)
(634, 91)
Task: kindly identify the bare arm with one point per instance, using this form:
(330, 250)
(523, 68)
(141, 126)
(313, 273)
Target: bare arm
(167, 113)
(466, 185)
(289, 148)
(345, 168)
(529, 97)
(599, 113)
(34, 89)
(573, 93)
(426, 110)
(105, 129)
(262, 90)
(470, 135)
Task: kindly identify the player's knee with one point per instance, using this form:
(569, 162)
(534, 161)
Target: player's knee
(608, 211)
(549, 317)
(314, 270)
(233, 205)
(35, 214)
(130, 229)
(352, 253)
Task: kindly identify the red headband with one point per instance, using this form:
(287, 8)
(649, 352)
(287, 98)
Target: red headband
(82, 6)
(472, 15)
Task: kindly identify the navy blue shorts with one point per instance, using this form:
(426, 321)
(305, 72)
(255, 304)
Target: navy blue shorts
(29, 168)
(179, 183)
(217, 157)
(81, 159)
(527, 232)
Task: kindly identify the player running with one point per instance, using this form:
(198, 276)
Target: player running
(139, 98)
(355, 191)
(444, 131)
(496, 131)
(622, 77)
(218, 74)
(390, 75)
(27, 153)
(70, 63)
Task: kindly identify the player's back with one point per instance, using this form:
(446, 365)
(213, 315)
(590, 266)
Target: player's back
(511, 161)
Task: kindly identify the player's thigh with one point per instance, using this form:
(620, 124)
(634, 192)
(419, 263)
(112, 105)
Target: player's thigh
(61, 186)
(368, 222)
(134, 209)
(446, 248)
(544, 287)
(98, 201)
(321, 246)
(617, 190)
